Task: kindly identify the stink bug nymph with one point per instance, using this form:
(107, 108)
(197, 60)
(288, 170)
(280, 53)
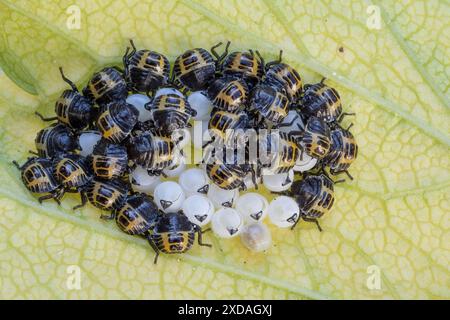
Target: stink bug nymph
(107, 195)
(343, 151)
(222, 121)
(270, 103)
(109, 160)
(57, 138)
(106, 86)
(174, 233)
(228, 94)
(137, 215)
(37, 176)
(225, 169)
(152, 152)
(316, 137)
(145, 70)
(170, 112)
(286, 154)
(195, 68)
(314, 196)
(117, 120)
(283, 76)
(226, 176)
(72, 171)
(244, 65)
(322, 101)
(72, 108)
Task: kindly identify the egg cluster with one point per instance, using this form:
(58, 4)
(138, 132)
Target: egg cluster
(121, 144)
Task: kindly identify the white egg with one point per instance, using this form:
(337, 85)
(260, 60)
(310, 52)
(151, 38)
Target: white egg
(227, 223)
(87, 140)
(292, 122)
(141, 181)
(252, 206)
(306, 163)
(199, 209)
(139, 101)
(256, 237)
(221, 197)
(178, 166)
(194, 181)
(279, 182)
(164, 91)
(200, 133)
(182, 136)
(200, 103)
(169, 196)
(283, 211)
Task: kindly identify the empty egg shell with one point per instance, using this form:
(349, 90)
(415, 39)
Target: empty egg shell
(194, 181)
(139, 101)
(141, 181)
(256, 237)
(252, 206)
(199, 209)
(306, 163)
(164, 91)
(278, 182)
(283, 211)
(200, 103)
(87, 141)
(222, 198)
(169, 196)
(227, 223)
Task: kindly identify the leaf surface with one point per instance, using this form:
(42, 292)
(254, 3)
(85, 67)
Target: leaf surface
(394, 215)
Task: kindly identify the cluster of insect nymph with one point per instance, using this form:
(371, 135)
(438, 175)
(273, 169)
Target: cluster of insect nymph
(119, 144)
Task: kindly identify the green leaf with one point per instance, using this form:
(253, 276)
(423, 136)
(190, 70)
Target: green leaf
(393, 216)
